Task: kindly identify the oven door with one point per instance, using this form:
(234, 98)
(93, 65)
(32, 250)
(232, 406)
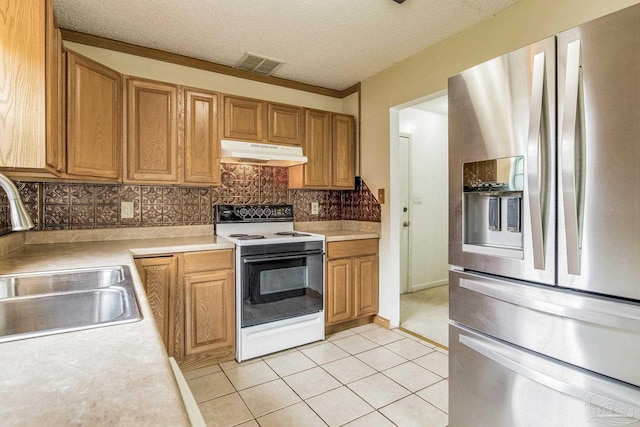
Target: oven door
(281, 285)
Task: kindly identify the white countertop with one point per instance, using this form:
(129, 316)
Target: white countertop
(341, 235)
(113, 375)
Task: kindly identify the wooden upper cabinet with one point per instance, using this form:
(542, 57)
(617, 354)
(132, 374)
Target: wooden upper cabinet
(22, 83)
(243, 118)
(201, 139)
(329, 144)
(152, 132)
(317, 147)
(344, 151)
(55, 77)
(285, 124)
(94, 119)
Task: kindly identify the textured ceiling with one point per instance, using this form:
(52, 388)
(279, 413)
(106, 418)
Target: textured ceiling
(329, 43)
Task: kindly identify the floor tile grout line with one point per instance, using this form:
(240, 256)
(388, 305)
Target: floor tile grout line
(431, 404)
(413, 392)
(341, 383)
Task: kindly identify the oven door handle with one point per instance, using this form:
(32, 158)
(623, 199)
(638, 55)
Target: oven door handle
(288, 255)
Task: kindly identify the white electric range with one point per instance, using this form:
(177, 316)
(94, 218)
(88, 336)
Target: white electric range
(279, 278)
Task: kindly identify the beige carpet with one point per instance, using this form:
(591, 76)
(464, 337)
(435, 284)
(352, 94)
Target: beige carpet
(426, 313)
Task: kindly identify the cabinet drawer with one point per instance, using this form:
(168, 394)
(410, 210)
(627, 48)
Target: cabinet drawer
(208, 260)
(351, 248)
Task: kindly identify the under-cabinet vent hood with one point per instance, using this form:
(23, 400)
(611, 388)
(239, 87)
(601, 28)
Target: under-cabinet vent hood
(261, 154)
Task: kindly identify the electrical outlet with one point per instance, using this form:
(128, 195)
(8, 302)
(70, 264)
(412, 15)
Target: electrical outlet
(126, 210)
(314, 208)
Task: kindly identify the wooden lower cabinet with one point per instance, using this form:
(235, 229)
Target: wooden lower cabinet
(365, 285)
(352, 283)
(209, 311)
(339, 290)
(192, 297)
(159, 276)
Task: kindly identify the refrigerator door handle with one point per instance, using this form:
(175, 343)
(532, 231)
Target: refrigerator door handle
(545, 303)
(593, 392)
(568, 160)
(536, 175)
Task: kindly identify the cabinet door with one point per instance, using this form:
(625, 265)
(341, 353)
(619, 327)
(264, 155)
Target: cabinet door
(210, 313)
(22, 84)
(344, 151)
(94, 141)
(159, 279)
(152, 131)
(201, 139)
(243, 118)
(365, 285)
(339, 293)
(55, 79)
(317, 147)
(285, 124)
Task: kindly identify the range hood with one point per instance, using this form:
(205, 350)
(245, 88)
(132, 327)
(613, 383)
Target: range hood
(260, 154)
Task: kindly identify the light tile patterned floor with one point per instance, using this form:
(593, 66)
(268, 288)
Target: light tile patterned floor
(365, 376)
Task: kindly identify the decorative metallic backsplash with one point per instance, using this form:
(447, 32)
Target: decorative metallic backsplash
(67, 205)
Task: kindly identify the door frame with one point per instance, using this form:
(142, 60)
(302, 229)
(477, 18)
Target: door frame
(392, 293)
(409, 188)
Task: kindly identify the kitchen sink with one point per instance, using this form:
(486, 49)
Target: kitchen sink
(16, 285)
(53, 302)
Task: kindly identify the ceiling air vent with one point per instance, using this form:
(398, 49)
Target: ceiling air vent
(258, 64)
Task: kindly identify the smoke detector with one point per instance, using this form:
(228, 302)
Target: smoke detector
(258, 64)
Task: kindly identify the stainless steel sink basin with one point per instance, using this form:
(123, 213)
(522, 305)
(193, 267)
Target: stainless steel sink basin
(16, 285)
(53, 302)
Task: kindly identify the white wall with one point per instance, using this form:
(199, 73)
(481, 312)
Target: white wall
(429, 208)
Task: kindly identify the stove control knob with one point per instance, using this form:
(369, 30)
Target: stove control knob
(267, 212)
(259, 211)
(243, 211)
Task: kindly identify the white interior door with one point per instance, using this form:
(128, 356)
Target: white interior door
(404, 161)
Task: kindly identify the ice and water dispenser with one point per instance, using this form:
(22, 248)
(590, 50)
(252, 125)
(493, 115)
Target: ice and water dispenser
(492, 206)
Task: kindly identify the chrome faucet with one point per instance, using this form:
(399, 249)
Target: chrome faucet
(20, 219)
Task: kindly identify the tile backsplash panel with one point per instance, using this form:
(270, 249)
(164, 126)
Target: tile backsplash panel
(65, 206)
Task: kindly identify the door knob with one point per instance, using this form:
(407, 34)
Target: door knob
(406, 224)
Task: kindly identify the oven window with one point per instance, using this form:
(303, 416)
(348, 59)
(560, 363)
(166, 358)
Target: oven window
(277, 288)
(282, 280)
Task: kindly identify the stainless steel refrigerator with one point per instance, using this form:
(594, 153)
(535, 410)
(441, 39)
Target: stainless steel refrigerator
(544, 161)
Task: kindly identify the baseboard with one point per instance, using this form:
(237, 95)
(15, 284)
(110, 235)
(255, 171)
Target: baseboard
(381, 321)
(429, 285)
(332, 329)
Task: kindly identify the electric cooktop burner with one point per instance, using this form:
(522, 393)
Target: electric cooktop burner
(246, 236)
(290, 233)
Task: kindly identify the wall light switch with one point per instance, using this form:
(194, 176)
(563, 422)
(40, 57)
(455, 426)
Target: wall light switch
(381, 196)
(126, 210)
(314, 208)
